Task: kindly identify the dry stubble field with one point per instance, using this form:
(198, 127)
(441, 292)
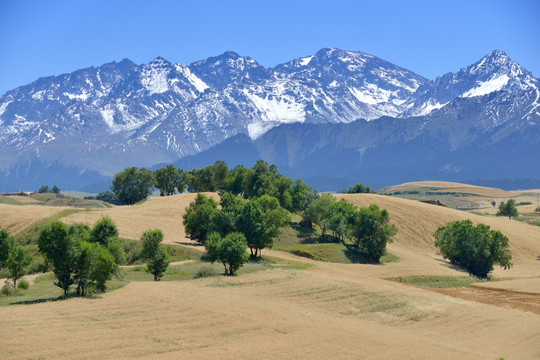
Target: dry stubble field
(327, 311)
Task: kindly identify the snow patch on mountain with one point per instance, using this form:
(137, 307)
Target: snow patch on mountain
(488, 87)
(276, 108)
(306, 60)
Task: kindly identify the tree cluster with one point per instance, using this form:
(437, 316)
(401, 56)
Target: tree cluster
(13, 257)
(369, 228)
(475, 248)
(45, 189)
(82, 256)
(357, 189)
(258, 219)
(106, 196)
(133, 185)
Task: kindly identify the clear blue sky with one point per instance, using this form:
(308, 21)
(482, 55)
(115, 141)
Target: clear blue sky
(42, 38)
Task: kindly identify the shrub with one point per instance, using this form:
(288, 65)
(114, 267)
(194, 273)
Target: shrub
(8, 290)
(204, 271)
(23, 284)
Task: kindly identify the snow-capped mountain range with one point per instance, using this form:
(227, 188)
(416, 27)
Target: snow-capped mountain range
(121, 114)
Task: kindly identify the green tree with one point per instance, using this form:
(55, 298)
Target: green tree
(219, 172)
(260, 221)
(103, 231)
(17, 263)
(342, 217)
(133, 185)
(105, 266)
(198, 218)
(302, 195)
(234, 182)
(475, 248)
(55, 190)
(169, 179)
(44, 189)
(319, 211)
(6, 245)
(84, 263)
(155, 255)
(508, 209)
(229, 250)
(372, 231)
(59, 248)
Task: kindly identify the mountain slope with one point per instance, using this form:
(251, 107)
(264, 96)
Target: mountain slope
(121, 114)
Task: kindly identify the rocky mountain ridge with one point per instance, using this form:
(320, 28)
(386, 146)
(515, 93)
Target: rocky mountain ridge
(103, 119)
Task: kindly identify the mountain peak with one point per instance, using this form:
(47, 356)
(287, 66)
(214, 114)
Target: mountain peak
(159, 61)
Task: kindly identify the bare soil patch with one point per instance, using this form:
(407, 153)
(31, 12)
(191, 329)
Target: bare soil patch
(498, 297)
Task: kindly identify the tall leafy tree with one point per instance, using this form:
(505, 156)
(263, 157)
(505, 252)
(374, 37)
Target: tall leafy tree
(17, 263)
(229, 250)
(155, 255)
(103, 231)
(198, 218)
(133, 185)
(234, 182)
(261, 221)
(508, 209)
(475, 248)
(59, 247)
(319, 211)
(169, 179)
(372, 231)
(6, 245)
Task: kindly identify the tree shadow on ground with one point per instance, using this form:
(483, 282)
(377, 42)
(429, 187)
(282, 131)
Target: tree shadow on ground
(356, 256)
(53, 299)
(185, 243)
(309, 235)
(448, 264)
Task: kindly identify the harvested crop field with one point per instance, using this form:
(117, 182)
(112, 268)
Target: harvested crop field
(17, 219)
(161, 212)
(330, 310)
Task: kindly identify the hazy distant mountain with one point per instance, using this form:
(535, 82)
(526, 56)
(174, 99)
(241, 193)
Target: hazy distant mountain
(99, 120)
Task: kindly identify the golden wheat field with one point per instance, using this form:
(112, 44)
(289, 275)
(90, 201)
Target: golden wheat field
(327, 311)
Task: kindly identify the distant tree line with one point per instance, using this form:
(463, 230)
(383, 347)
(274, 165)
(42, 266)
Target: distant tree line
(45, 189)
(357, 189)
(133, 185)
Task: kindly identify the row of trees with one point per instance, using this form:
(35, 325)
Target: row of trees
(45, 189)
(133, 185)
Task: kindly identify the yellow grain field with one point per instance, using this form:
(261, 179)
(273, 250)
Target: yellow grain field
(329, 311)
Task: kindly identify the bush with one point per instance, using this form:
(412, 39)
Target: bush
(204, 271)
(8, 290)
(475, 248)
(23, 284)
